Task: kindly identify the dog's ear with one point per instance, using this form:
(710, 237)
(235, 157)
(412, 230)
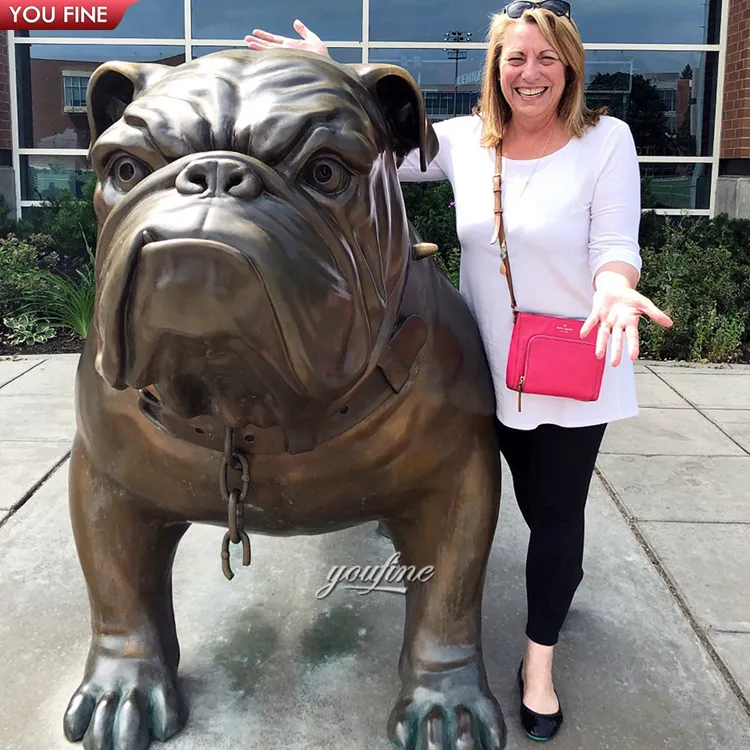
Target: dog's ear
(113, 86)
(401, 100)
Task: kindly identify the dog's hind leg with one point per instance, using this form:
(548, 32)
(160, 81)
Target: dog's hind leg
(129, 691)
(445, 701)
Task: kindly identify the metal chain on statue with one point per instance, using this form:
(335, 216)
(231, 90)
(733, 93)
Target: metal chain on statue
(234, 499)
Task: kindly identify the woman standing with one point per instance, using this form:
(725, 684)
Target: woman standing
(570, 196)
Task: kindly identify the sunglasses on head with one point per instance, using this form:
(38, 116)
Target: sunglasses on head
(517, 8)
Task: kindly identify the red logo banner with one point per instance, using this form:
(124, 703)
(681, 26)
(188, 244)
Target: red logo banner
(62, 15)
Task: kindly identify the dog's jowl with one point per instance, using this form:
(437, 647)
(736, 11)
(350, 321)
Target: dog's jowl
(271, 353)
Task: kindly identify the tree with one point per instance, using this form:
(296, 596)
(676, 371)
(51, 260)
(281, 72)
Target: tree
(637, 101)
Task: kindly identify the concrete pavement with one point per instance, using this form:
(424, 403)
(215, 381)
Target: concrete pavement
(655, 652)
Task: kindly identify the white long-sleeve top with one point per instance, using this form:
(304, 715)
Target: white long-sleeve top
(566, 215)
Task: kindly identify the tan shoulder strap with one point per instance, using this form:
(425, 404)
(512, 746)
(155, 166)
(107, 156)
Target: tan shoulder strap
(499, 233)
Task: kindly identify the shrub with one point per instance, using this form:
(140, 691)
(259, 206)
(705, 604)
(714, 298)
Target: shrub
(430, 209)
(450, 264)
(70, 222)
(19, 263)
(695, 269)
(67, 300)
(695, 273)
(25, 330)
(8, 222)
(47, 264)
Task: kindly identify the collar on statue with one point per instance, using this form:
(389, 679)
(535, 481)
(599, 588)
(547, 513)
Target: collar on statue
(395, 369)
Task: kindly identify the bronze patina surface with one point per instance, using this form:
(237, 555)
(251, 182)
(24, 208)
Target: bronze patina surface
(272, 353)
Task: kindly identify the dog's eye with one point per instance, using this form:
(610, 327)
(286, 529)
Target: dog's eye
(327, 175)
(127, 172)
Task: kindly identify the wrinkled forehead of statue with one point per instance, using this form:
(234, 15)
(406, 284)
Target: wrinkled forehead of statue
(260, 103)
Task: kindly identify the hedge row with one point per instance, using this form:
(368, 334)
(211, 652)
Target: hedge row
(694, 268)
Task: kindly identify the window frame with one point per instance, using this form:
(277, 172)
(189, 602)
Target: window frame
(187, 43)
(77, 76)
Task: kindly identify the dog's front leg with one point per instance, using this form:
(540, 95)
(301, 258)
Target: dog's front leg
(129, 691)
(445, 702)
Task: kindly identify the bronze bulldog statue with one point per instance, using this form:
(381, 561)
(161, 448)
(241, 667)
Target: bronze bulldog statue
(269, 353)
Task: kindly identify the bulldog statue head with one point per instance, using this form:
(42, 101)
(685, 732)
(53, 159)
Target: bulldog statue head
(253, 244)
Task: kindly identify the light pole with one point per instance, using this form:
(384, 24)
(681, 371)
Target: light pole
(456, 54)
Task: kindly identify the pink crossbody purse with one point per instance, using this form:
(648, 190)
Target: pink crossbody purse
(547, 355)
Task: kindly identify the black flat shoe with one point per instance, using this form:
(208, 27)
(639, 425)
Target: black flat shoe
(539, 727)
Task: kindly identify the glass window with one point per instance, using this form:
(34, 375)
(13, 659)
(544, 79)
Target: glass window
(74, 90)
(46, 177)
(667, 98)
(428, 21)
(675, 185)
(329, 19)
(613, 21)
(340, 54)
(52, 82)
(160, 19)
(346, 54)
(647, 22)
(450, 79)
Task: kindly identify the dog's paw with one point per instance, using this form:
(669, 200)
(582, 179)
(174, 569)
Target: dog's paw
(447, 711)
(123, 702)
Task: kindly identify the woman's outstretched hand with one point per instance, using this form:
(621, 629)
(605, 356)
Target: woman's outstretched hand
(617, 313)
(310, 41)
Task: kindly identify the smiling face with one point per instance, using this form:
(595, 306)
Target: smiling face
(532, 75)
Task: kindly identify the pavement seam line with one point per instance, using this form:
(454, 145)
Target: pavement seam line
(673, 455)
(703, 414)
(666, 407)
(673, 407)
(697, 368)
(679, 599)
(640, 519)
(671, 387)
(25, 372)
(34, 489)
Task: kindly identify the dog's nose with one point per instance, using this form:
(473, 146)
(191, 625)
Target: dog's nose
(214, 177)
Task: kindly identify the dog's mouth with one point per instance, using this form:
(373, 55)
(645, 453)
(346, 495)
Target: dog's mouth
(162, 290)
(196, 316)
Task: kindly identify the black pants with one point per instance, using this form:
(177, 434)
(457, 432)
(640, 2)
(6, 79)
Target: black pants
(552, 468)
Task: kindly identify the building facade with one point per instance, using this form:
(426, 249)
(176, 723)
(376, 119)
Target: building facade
(677, 71)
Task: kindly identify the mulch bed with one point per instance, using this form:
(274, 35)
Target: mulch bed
(64, 343)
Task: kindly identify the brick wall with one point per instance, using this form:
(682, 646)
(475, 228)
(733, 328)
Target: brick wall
(735, 132)
(52, 126)
(4, 92)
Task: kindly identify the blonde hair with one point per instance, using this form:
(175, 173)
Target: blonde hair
(562, 35)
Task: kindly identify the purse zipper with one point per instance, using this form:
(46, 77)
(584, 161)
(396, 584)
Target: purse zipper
(520, 390)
